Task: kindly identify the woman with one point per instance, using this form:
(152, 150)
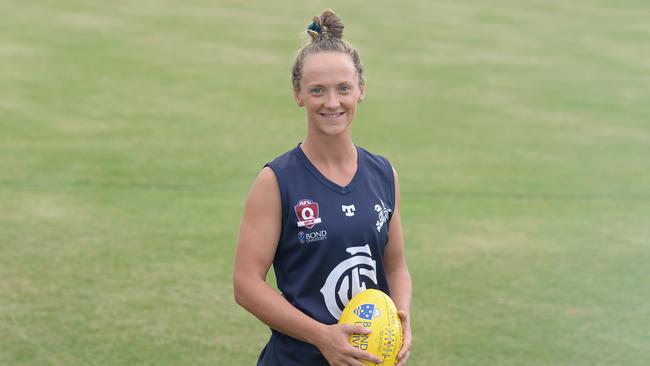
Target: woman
(326, 215)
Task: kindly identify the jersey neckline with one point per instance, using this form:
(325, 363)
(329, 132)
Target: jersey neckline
(326, 182)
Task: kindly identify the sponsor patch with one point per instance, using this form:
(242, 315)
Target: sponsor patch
(383, 215)
(310, 237)
(307, 213)
(348, 210)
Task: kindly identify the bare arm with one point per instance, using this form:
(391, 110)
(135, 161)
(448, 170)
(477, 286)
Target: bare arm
(258, 238)
(397, 273)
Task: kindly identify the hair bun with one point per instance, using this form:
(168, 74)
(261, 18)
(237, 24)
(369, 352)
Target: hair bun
(326, 26)
(326, 31)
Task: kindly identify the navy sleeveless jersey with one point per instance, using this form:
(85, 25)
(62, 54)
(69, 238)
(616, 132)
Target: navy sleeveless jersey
(331, 245)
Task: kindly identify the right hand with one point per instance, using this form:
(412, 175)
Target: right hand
(333, 344)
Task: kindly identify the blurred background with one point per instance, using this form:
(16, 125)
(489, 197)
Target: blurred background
(130, 133)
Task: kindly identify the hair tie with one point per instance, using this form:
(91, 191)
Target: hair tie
(314, 30)
(313, 26)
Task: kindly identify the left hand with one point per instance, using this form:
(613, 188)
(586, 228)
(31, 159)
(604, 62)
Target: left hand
(403, 355)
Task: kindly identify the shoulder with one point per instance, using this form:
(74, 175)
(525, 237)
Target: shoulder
(266, 177)
(369, 154)
(381, 168)
(378, 162)
(265, 185)
(284, 161)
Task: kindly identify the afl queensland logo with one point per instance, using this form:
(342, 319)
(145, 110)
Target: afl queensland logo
(349, 278)
(307, 212)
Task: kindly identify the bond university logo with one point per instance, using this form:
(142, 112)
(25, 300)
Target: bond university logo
(307, 212)
(349, 278)
(310, 237)
(348, 209)
(383, 213)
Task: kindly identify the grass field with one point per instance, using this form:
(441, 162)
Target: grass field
(130, 133)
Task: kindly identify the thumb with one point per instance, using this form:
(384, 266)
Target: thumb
(356, 329)
(404, 316)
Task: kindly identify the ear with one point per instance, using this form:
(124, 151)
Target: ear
(362, 94)
(298, 98)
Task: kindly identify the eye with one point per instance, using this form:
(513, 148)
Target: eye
(316, 90)
(344, 88)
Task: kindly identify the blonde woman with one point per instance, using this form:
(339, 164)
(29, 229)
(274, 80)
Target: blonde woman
(326, 216)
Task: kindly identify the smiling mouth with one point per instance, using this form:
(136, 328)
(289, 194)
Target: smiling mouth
(331, 115)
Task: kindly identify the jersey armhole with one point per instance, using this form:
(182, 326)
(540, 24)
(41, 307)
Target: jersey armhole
(283, 195)
(391, 183)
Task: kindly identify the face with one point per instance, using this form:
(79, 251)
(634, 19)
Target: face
(329, 91)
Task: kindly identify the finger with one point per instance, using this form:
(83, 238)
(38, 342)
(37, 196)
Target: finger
(404, 317)
(355, 362)
(356, 329)
(363, 355)
(349, 360)
(403, 361)
(406, 347)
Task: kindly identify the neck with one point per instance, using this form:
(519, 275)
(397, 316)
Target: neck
(330, 150)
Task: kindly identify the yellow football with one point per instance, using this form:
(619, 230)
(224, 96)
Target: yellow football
(373, 309)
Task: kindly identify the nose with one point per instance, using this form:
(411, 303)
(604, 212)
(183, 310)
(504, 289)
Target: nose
(332, 102)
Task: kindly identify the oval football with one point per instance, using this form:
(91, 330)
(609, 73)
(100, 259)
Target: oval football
(373, 309)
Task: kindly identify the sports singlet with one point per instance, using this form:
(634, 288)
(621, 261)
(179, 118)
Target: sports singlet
(331, 244)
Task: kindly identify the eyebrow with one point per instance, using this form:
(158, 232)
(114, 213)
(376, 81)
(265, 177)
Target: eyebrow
(338, 84)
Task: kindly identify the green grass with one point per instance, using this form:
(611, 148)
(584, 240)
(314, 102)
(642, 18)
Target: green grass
(130, 133)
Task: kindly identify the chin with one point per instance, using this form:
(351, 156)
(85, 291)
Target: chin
(335, 131)
(330, 130)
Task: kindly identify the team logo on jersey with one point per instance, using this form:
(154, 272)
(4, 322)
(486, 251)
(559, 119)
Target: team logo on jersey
(307, 212)
(348, 210)
(383, 214)
(348, 278)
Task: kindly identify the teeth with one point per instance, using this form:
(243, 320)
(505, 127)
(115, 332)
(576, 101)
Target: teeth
(332, 115)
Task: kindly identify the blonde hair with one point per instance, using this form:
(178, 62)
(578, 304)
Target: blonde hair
(326, 31)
